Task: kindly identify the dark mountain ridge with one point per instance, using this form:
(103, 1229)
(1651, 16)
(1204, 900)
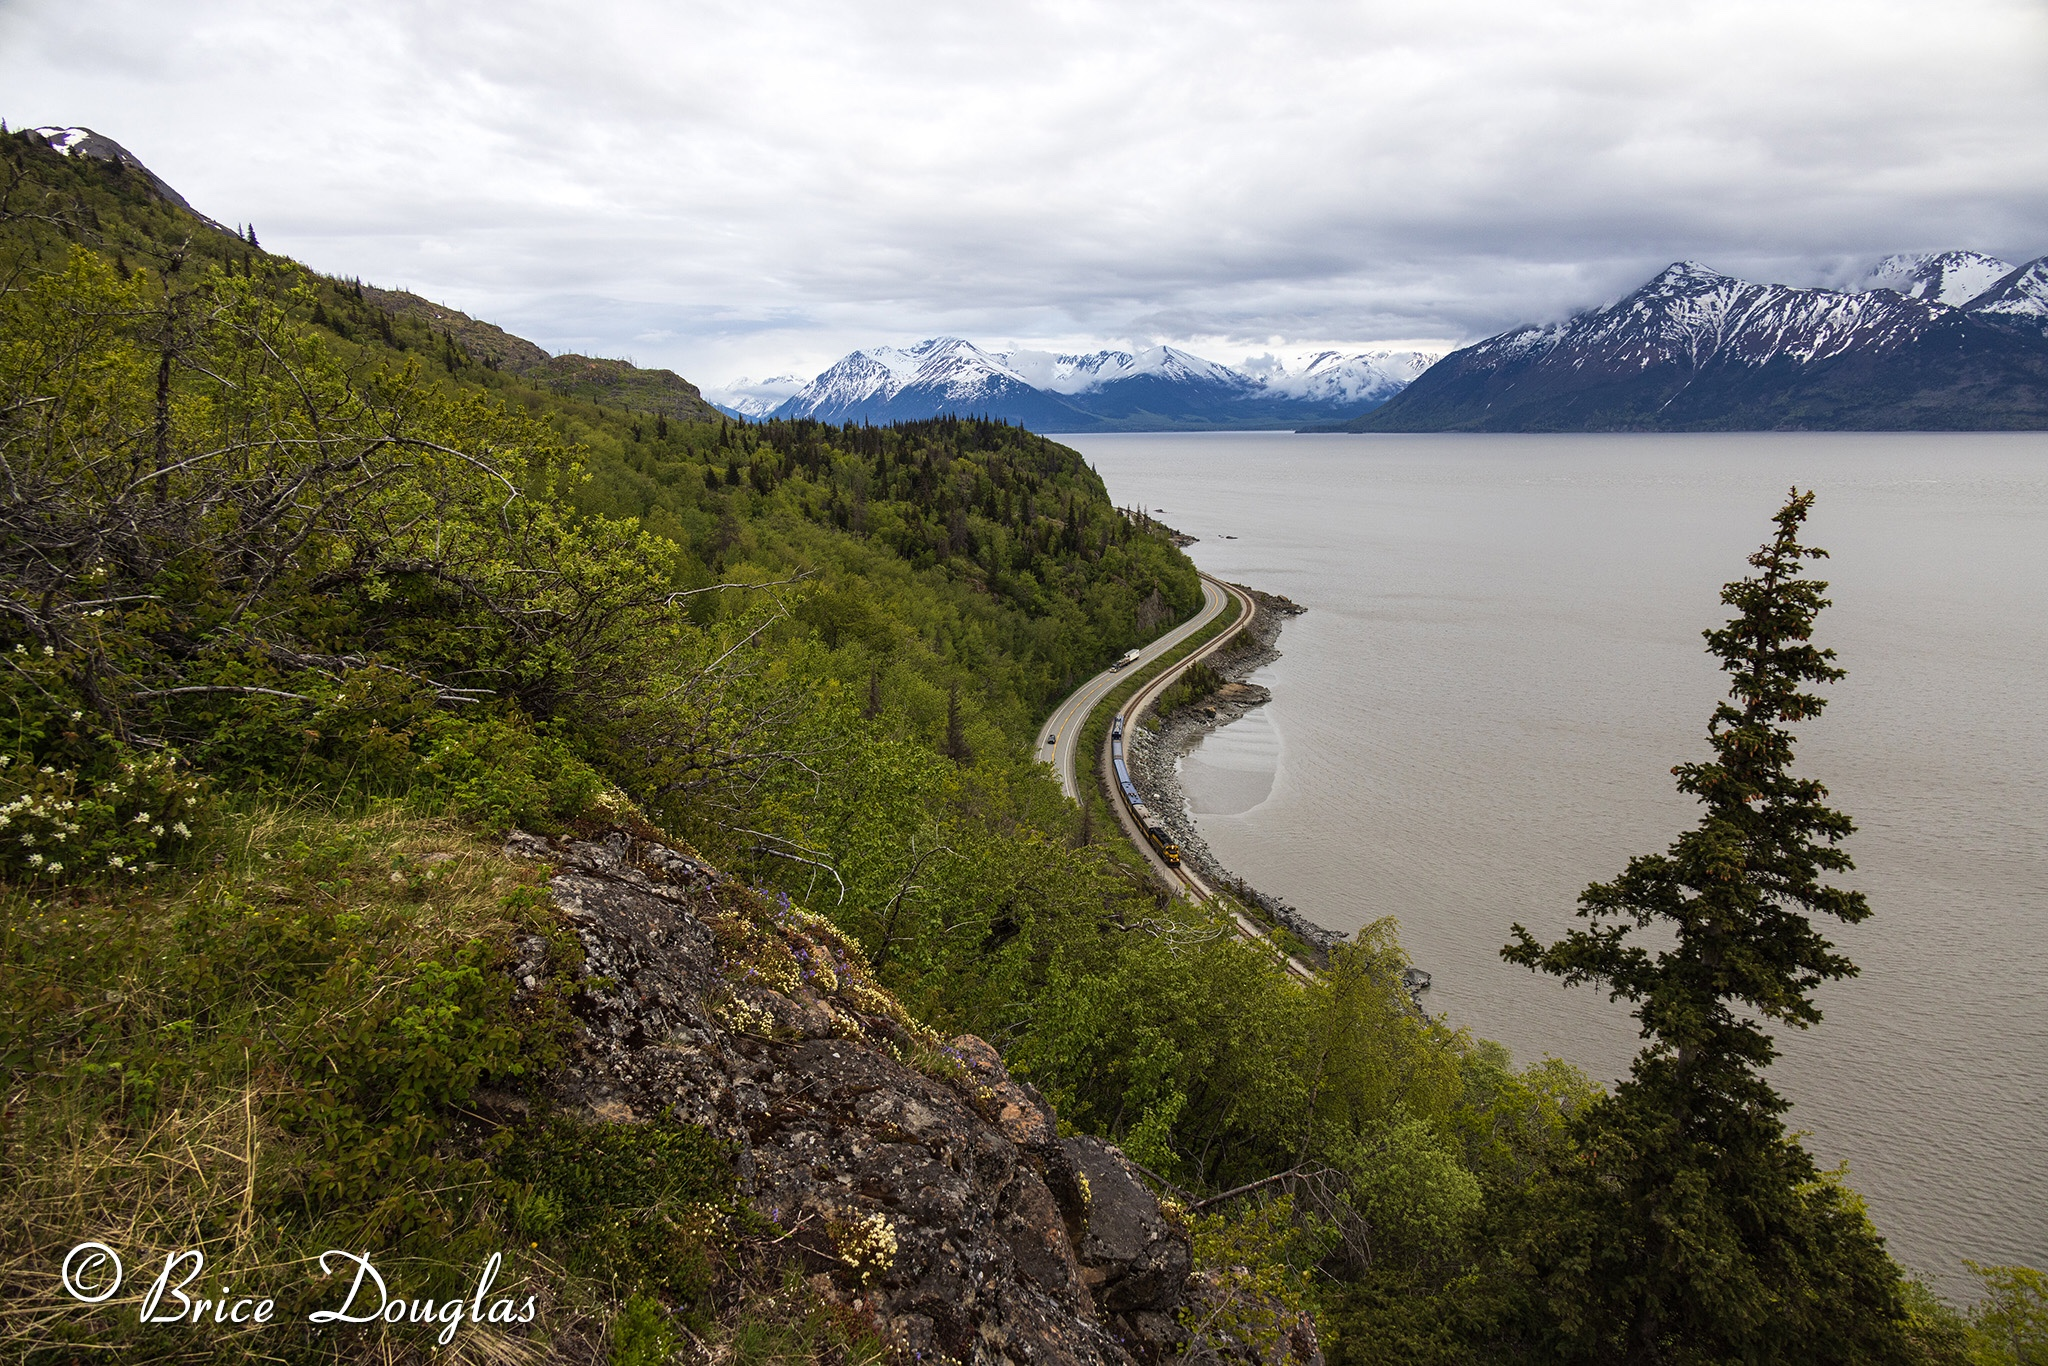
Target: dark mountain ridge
(1696, 350)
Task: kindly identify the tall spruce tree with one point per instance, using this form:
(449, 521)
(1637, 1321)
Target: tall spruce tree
(1691, 1227)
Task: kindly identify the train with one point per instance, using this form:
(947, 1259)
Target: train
(1155, 833)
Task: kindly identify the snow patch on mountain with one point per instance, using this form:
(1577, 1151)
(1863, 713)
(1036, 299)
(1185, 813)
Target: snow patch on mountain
(1947, 277)
(1693, 315)
(2020, 296)
(1338, 377)
(753, 398)
(65, 140)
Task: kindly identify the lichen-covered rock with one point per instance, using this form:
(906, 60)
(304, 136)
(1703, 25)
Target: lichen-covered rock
(939, 1198)
(1134, 1259)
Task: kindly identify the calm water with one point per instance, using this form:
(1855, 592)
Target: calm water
(1502, 661)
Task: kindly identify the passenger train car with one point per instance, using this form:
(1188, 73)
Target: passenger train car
(1155, 833)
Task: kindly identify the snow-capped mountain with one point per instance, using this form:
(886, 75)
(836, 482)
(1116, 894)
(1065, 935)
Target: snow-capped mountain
(938, 375)
(1695, 316)
(2018, 299)
(1161, 387)
(1694, 349)
(1947, 277)
(1346, 380)
(1092, 373)
(753, 398)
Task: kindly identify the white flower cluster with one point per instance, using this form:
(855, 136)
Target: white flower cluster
(53, 812)
(867, 1245)
(50, 813)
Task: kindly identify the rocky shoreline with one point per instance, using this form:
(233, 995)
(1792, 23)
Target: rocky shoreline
(1153, 756)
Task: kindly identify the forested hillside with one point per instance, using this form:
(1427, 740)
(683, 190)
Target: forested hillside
(310, 600)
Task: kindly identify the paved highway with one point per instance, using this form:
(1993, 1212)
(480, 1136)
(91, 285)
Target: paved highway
(1061, 734)
(1058, 740)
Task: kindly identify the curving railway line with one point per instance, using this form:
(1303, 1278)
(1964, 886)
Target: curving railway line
(1155, 845)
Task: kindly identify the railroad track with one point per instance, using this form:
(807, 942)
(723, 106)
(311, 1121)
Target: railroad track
(1059, 738)
(1187, 881)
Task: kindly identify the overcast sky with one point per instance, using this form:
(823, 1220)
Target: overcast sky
(757, 187)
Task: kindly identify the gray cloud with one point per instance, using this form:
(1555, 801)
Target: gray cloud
(756, 187)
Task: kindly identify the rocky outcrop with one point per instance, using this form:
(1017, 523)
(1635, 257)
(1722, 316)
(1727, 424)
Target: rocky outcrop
(1135, 1260)
(922, 1183)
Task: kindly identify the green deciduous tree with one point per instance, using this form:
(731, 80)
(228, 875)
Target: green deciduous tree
(1691, 1227)
(2009, 1327)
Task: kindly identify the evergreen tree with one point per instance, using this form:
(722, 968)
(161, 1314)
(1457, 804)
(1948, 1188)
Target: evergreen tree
(1692, 1228)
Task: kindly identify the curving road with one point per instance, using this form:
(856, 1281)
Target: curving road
(1057, 742)
(1060, 736)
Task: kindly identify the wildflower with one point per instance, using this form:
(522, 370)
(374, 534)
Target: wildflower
(48, 651)
(157, 831)
(56, 867)
(142, 819)
(115, 861)
(35, 860)
(28, 839)
(180, 827)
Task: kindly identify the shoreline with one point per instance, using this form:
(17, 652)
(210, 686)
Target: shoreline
(1154, 755)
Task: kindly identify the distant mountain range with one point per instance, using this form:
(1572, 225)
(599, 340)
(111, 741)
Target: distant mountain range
(1160, 389)
(1949, 341)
